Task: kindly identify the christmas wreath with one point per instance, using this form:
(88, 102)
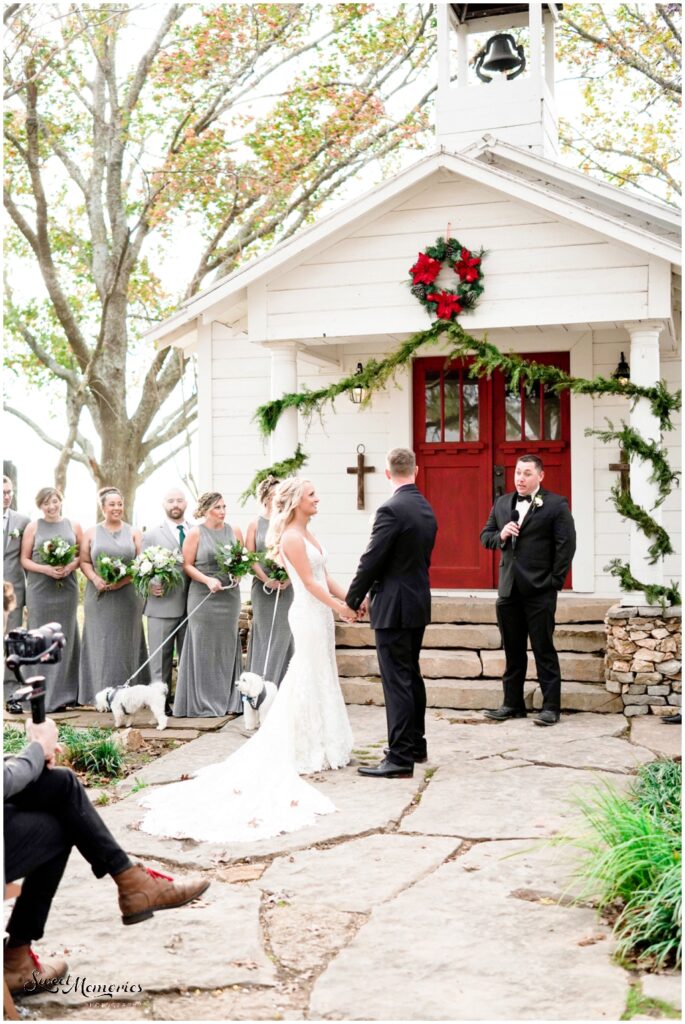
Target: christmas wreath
(447, 303)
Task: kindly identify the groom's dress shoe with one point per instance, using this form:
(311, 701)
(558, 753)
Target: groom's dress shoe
(503, 713)
(547, 717)
(387, 770)
(418, 758)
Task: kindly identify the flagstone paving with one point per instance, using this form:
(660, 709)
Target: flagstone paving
(439, 897)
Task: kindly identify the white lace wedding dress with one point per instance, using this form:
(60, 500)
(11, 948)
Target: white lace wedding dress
(257, 792)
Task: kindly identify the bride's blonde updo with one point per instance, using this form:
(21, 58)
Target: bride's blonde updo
(286, 499)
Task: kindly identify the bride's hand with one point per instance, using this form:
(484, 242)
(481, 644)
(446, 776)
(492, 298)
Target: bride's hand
(346, 613)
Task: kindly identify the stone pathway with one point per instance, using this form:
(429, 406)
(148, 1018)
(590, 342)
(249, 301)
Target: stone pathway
(434, 898)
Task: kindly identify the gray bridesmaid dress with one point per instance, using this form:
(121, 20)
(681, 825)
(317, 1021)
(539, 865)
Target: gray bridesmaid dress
(113, 644)
(211, 659)
(50, 600)
(262, 616)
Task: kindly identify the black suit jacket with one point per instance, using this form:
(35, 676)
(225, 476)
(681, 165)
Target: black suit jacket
(544, 548)
(394, 567)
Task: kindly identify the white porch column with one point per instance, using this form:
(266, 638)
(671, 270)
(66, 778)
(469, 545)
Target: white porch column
(644, 370)
(284, 381)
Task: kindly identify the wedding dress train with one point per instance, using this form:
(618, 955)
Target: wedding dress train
(257, 792)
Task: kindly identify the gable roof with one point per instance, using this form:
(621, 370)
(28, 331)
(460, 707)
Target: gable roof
(646, 225)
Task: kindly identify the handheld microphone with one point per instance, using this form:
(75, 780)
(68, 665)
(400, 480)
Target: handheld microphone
(515, 516)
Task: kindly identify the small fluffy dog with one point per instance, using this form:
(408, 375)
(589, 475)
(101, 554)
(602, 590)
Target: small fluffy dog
(124, 701)
(258, 696)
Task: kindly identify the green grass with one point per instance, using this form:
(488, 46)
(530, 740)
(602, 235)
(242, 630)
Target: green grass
(138, 785)
(639, 1005)
(13, 739)
(92, 751)
(633, 864)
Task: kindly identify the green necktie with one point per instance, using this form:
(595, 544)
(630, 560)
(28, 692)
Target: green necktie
(181, 535)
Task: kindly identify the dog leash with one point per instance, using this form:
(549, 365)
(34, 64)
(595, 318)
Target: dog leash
(166, 639)
(271, 633)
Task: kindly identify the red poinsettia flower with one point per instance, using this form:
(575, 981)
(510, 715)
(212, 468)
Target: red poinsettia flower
(449, 304)
(467, 267)
(425, 270)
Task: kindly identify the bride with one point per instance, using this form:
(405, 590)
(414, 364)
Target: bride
(257, 792)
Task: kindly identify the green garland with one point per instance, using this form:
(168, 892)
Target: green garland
(519, 372)
(635, 446)
(288, 467)
(654, 593)
(627, 508)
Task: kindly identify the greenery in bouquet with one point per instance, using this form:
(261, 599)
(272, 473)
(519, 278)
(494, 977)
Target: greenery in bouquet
(235, 559)
(273, 569)
(111, 570)
(57, 552)
(156, 564)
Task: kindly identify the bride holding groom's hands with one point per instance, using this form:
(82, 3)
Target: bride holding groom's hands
(258, 792)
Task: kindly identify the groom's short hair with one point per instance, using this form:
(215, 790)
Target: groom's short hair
(401, 462)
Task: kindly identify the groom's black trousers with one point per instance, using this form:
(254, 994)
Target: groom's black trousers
(404, 691)
(42, 823)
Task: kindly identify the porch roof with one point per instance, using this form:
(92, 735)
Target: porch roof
(646, 225)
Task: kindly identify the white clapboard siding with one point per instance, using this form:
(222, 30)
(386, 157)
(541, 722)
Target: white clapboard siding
(585, 256)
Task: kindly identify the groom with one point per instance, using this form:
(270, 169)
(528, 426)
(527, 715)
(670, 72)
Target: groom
(394, 571)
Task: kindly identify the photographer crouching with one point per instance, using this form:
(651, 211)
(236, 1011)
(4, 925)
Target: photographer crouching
(47, 813)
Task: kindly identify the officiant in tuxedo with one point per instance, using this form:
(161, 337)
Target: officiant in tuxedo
(535, 533)
(166, 611)
(393, 571)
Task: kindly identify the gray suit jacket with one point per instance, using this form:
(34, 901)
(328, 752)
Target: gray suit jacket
(173, 604)
(12, 570)
(21, 769)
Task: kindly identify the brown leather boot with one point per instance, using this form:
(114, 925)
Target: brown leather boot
(26, 974)
(142, 891)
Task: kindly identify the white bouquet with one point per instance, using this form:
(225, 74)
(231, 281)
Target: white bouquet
(157, 565)
(235, 560)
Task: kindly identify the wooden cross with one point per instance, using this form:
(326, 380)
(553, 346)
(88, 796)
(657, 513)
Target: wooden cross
(360, 469)
(622, 467)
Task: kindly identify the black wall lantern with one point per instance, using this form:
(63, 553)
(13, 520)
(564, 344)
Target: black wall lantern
(501, 54)
(622, 371)
(358, 391)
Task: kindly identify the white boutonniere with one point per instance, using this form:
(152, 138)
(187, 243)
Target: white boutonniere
(537, 501)
(16, 533)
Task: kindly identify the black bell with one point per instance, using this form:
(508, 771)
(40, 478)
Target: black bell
(500, 54)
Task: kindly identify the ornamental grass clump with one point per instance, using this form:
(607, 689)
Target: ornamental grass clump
(633, 864)
(94, 752)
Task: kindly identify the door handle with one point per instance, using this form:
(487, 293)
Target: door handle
(498, 481)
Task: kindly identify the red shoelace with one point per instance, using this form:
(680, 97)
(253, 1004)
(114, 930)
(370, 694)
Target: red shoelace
(36, 961)
(158, 874)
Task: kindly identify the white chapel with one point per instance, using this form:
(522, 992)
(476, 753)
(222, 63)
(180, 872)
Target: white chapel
(577, 273)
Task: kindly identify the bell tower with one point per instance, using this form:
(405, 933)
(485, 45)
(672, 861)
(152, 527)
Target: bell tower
(496, 75)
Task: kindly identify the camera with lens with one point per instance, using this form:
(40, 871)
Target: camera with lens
(27, 646)
(30, 647)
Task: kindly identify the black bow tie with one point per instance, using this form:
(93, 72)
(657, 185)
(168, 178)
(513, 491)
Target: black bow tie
(524, 497)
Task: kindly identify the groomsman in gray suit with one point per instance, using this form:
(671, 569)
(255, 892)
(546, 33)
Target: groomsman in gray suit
(165, 611)
(13, 526)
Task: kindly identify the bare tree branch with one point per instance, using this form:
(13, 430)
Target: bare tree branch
(77, 456)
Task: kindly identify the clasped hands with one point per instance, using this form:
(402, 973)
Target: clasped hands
(348, 614)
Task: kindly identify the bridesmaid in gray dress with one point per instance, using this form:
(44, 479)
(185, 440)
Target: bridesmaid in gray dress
(52, 594)
(211, 657)
(113, 644)
(264, 601)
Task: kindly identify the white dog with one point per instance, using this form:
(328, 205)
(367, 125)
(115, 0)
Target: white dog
(124, 701)
(258, 696)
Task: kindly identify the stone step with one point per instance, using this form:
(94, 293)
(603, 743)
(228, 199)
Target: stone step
(479, 694)
(437, 664)
(466, 609)
(581, 668)
(472, 637)
(586, 637)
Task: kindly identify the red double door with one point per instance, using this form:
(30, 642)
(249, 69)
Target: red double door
(468, 434)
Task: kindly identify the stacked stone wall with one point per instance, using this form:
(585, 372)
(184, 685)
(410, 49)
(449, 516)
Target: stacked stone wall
(644, 658)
